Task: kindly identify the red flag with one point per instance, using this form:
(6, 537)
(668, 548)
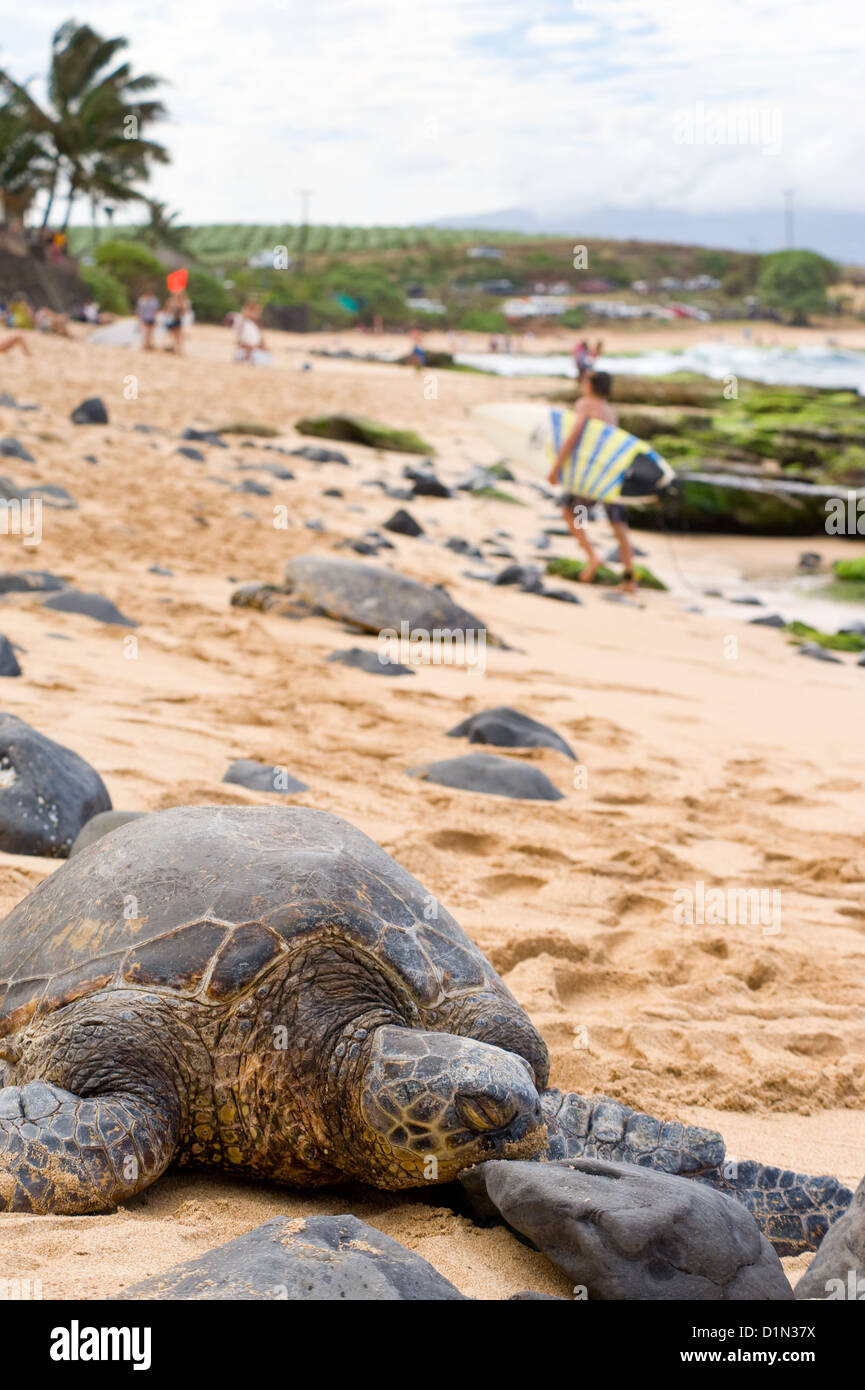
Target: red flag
(176, 281)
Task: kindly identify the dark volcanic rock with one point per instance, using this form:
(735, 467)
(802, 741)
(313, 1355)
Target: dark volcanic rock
(838, 1269)
(621, 1231)
(315, 454)
(14, 449)
(8, 660)
(508, 728)
(424, 481)
(189, 453)
(561, 595)
(47, 793)
(496, 776)
(91, 605)
(528, 577)
(768, 620)
(263, 777)
(160, 569)
(371, 662)
(303, 1259)
(205, 437)
(29, 582)
(818, 653)
(463, 547)
(51, 494)
(90, 412)
(404, 524)
(614, 556)
(253, 486)
(101, 825)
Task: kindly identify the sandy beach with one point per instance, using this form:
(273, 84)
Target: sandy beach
(746, 772)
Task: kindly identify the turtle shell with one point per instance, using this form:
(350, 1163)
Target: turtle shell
(202, 900)
(373, 597)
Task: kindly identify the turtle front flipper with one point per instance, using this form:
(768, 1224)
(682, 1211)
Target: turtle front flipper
(66, 1154)
(600, 1127)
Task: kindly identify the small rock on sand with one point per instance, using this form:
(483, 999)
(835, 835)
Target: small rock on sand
(496, 776)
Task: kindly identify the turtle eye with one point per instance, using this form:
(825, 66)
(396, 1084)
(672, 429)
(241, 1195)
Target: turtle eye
(484, 1113)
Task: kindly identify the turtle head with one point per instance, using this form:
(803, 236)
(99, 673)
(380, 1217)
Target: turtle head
(432, 1104)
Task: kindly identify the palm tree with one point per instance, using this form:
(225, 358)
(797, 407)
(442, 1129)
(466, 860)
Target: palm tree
(25, 165)
(92, 126)
(162, 229)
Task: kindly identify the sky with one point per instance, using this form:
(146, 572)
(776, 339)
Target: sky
(391, 112)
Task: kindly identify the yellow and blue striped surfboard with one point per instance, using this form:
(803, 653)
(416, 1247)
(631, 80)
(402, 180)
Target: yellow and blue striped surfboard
(606, 464)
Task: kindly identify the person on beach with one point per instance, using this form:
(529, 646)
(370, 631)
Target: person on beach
(177, 306)
(594, 404)
(247, 332)
(146, 311)
(15, 340)
(582, 359)
(418, 352)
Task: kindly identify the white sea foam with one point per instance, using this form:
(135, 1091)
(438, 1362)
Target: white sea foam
(832, 367)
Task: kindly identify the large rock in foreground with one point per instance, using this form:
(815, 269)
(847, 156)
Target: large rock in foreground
(306, 1260)
(624, 1232)
(838, 1269)
(47, 793)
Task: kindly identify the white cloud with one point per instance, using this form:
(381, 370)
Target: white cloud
(392, 112)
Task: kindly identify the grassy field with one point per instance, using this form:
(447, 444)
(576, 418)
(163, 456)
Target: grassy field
(218, 242)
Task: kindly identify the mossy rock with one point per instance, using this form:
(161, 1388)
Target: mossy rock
(358, 429)
(497, 494)
(834, 641)
(851, 569)
(722, 506)
(250, 427)
(566, 568)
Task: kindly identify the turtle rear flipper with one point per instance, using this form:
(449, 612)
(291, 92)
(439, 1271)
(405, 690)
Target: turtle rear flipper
(70, 1155)
(793, 1210)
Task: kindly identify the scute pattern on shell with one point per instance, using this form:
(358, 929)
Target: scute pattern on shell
(203, 900)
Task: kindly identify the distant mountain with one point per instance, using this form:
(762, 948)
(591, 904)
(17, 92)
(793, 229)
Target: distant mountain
(840, 235)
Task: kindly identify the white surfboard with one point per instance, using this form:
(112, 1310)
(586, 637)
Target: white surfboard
(606, 464)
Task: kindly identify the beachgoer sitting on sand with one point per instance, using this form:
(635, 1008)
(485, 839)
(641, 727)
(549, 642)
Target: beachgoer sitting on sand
(146, 311)
(14, 340)
(46, 321)
(247, 331)
(594, 404)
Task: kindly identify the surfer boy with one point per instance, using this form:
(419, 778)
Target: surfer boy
(594, 404)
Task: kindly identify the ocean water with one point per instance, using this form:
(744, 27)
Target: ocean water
(818, 365)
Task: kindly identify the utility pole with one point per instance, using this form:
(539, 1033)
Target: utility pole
(305, 195)
(788, 217)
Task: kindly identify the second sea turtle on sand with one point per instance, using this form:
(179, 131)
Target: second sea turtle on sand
(369, 597)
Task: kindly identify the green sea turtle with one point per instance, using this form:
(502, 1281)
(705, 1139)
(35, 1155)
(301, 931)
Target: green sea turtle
(256, 988)
(370, 597)
(265, 990)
